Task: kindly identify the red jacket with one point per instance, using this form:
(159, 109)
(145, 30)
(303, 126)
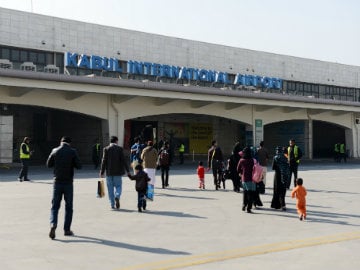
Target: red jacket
(201, 172)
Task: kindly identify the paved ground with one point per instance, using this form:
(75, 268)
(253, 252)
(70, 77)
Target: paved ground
(184, 227)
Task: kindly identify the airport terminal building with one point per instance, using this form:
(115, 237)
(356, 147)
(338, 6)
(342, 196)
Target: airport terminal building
(64, 77)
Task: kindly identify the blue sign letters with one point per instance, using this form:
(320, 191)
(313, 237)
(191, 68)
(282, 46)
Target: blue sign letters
(166, 71)
(92, 62)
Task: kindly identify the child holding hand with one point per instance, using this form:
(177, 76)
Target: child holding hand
(201, 175)
(141, 184)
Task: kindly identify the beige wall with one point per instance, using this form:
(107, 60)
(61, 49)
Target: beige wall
(29, 30)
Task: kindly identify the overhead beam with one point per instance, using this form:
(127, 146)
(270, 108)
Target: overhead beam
(231, 106)
(18, 92)
(161, 101)
(262, 108)
(121, 99)
(198, 104)
(338, 113)
(73, 95)
(315, 111)
(291, 109)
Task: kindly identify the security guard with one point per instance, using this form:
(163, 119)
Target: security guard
(294, 156)
(25, 154)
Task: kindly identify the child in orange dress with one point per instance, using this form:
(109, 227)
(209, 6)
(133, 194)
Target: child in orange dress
(300, 192)
(201, 175)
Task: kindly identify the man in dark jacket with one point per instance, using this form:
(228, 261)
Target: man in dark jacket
(164, 162)
(294, 155)
(215, 162)
(114, 163)
(64, 159)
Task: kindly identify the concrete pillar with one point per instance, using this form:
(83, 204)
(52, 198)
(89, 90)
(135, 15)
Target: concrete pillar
(120, 128)
(105, 132)
(112, 115)
(116, 127)
(349, 142)
(356, 141)
(6, 138)
(310, 145)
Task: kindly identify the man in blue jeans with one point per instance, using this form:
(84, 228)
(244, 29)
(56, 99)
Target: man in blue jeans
(114, 163)
(64, 159)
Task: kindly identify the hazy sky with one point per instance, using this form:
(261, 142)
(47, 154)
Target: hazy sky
(326, 30)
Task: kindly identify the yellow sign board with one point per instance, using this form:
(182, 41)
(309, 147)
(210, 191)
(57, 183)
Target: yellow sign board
(200, 137)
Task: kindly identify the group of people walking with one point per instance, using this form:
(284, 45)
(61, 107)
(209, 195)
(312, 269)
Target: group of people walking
(145, 159)
(241, 168)
(152, 159)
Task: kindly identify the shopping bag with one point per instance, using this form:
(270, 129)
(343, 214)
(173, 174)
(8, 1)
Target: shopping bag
(150, 192)
(100, 188)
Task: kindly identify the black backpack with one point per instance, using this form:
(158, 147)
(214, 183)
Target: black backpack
(164, 158)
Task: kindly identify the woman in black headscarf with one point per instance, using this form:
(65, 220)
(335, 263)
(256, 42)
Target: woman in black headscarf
(233, 162)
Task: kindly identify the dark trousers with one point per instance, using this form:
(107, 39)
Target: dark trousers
(248, 199)
(181, 157)
(342, 156)
(293, 170)
(24, 168)
(256, 198)
(96, 161)
(164, 176)
(237, 183)
(59, 190)
(141, 200)
(216, 170)
(217, 177)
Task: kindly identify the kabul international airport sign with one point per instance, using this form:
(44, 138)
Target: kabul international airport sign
(95, 62)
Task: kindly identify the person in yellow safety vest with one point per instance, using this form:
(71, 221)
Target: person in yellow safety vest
(337, 152)
(181, 153)
(294, 156)
(25, 154)
(342, 152)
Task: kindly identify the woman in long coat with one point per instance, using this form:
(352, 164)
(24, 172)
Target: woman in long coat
(245, 168)
(281, 176)
(233, 162)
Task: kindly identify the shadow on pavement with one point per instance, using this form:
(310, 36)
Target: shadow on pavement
(172, 214)
(332, 191)
(92, 240)
(312, 216)
(184, 197)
